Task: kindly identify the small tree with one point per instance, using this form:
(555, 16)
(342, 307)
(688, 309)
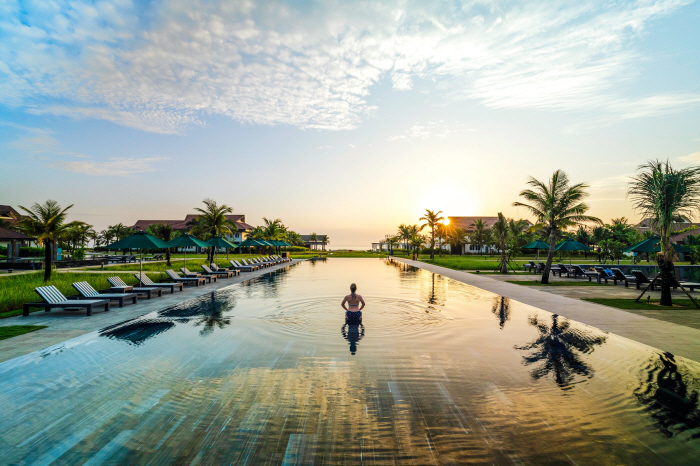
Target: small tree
(164, 231)
(480, 234)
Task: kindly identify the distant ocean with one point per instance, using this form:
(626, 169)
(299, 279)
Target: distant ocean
(354, 248)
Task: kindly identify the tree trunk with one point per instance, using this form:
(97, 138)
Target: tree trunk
(432, 244)
(550, 257)
(47, 261)
(167, 257)
(504, 260)
(665, 261)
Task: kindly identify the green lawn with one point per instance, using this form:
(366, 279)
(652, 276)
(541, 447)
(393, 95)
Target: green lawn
(470, 262)
(16, 290)
(622, 303)
(554, 283)
(16, 330)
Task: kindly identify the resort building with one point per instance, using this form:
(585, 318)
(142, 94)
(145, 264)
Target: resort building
(186, 224)
(13, 240)
(321, 241)
(683, 229)
(467, 224)
(10, 215)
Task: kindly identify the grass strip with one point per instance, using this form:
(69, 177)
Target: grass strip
(16, 330)
(15, 290)
(628, 303)
(554, 283)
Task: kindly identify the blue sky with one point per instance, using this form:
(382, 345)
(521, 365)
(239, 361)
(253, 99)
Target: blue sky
(344, 118)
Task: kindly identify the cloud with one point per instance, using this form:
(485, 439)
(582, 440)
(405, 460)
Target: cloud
(110, 167)
(431, 129)
(327, 146)
(165, 66)
(39, 144)
(693, 158)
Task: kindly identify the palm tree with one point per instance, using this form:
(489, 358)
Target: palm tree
(662, 194)
(212, 221)
(413, 230)
(480, 234)
(556, 206)
(457, 237)
(499, 233)
(294, 238)
(164, 231)
(416, 242)
(432, 220)
(392, 241)
(442, 234)
(46, 223)
(313, 237)
(404, 234)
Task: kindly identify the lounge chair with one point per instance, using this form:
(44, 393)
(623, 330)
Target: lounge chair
(690, 285)
(176, 278)
(148, 282)
(281, 259)
(53, 299)
(250, 262)
(605, 275)
(189, 274)
(87, 291)
(219, 273)
(243, 268)
(155, 257)
(556, 269)
(277, 260)
(530, 266)
(117, 283)
(623, 277)
(641, 279)
(569, 271)
(215, 267)
(587, 273)
(261, 261)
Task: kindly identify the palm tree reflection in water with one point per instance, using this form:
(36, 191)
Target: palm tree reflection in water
(353, 333)
(557, 348)
(208, 312)
(667, 397)
(501, 309)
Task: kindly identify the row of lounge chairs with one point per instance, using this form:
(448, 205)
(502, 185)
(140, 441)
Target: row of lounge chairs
(121, 293)
(601, 274)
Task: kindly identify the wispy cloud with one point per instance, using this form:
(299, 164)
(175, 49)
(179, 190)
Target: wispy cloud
(313, 67)
(39, 144)
(693, 158)
(428, 129)
(110, 167)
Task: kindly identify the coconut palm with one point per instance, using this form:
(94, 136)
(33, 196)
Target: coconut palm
(313, 237)
(211, 222)
(556, 206)
(404, 234)
(46, 223)
(416, 242)
(662, 193)
(500, 232)
(480, 234)
(392, 241)
(432, 220)
(294, 238)
(457, 237)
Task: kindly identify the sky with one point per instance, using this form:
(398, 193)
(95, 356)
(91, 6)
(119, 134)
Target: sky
(340, 118)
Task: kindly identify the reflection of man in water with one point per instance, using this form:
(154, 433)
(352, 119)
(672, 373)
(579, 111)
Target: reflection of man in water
(353, 333)
(353, 311)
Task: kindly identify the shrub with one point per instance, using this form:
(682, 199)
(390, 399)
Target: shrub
(31, 252)
(79, 254)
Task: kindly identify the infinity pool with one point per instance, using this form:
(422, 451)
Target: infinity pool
(266, 372)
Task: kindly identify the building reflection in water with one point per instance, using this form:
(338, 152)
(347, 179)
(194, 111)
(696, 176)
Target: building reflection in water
(501, 309)
(353, 333)
(668, 396)
(557, 349)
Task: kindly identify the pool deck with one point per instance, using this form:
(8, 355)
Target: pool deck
(64, 325)
(677, 339)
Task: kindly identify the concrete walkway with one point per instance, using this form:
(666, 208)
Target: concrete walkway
(64, 325)
(666, 336)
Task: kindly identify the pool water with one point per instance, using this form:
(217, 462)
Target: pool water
(267, 372)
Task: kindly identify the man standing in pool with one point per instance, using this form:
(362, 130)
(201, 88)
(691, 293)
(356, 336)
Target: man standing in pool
(353, 312)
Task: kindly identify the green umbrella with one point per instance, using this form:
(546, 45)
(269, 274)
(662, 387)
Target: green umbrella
(537, 245)
(571, 245)
(644, 246)
(219, 242)
(185, 241)
(140, 241)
